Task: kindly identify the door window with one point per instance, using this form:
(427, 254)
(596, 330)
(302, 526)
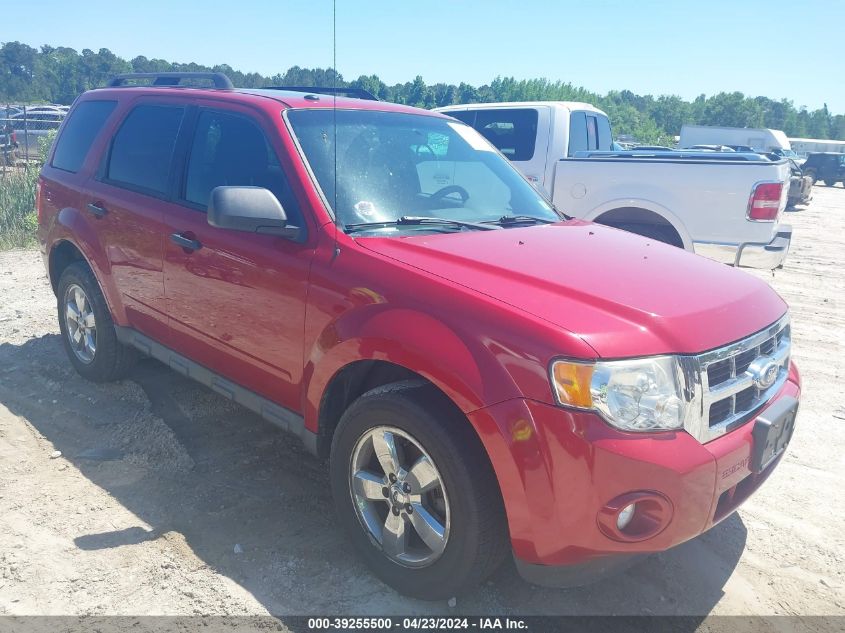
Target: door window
(231, 150)
(142, 150)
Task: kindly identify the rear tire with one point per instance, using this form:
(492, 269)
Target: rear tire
(830, 182)
(87, 328)
(812, 175)
(471, 536)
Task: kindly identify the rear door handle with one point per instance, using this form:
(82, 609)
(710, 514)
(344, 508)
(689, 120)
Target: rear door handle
(185, 242)
(96, 209)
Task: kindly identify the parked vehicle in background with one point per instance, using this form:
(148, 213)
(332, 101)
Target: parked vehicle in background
(800, 185)
(483, 377)
(724, 205)
(826, 166)
(712, 148)
(741, 148)
(8, 144)
(759, 139)
(650, 148)
(805, 146)
(32, 125)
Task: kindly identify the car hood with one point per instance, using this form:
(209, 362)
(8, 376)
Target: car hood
(623, 294)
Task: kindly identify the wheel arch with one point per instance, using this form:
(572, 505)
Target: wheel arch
(641, 212)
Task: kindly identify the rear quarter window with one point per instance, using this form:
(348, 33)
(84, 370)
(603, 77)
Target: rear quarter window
(142, 150)
(83, 125)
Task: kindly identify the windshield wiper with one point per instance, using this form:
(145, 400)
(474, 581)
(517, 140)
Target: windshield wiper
(510, 220)
(413, 220)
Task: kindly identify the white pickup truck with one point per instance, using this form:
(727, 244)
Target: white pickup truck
(726, 206)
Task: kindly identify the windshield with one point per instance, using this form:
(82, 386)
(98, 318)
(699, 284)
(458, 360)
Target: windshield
(392, 166)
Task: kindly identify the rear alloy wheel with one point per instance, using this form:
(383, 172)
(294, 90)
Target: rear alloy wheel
(416, 493)
(87, 327)
(81, 324)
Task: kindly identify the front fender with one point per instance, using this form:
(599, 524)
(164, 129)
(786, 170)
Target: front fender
(648, 205)
(461, 366)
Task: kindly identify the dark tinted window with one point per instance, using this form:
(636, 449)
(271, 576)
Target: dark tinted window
(84, 124)
(466, 117)
(592, 132)
(605, 137)
(229, 149)
(142, 149)
(578, 141)
(513, 132)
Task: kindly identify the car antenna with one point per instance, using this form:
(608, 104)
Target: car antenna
(334, 122)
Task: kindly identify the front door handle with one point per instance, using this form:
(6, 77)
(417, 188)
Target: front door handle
(187, 243)
(96, 209)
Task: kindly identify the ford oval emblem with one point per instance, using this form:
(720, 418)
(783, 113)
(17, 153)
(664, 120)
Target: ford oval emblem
(764, 372)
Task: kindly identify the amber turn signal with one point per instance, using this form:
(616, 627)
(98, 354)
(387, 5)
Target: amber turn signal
(572, 383)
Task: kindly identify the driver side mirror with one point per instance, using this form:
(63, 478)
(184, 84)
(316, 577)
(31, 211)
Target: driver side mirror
(251, 210)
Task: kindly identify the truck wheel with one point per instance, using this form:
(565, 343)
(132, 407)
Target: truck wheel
(830, 182)
(811, 174)
(415, 492)
(87, 327)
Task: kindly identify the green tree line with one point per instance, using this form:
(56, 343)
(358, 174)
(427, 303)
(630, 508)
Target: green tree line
(59, 74)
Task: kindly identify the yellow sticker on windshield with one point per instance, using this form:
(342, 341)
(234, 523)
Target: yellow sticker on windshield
(475, 140)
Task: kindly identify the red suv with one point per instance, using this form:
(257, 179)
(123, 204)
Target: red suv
(484, 375)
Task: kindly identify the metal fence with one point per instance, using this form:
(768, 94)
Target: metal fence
(24, 129)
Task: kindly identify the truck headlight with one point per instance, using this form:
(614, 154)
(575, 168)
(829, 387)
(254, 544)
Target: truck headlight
(632, 395)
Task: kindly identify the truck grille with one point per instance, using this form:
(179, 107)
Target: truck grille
(738, 379)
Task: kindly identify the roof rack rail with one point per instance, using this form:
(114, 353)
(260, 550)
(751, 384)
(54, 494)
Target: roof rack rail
(172, 79)
(355, 93)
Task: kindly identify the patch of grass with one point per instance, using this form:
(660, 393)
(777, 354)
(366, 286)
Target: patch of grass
(18, 218)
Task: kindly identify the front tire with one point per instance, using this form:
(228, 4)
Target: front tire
(87, 328)
(416, 493)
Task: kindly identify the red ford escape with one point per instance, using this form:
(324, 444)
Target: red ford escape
(484, 375)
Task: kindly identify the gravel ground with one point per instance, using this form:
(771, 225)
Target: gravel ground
(167, 499)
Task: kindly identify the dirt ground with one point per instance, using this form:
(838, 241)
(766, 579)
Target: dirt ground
(168, 499)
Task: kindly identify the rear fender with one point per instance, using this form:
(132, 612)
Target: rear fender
(648, 205)
(74, 227)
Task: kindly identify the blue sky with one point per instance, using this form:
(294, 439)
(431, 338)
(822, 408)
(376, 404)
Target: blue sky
(776, 48)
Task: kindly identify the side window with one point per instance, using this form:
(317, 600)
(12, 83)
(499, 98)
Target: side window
(592, 132)
(512, 131)
(82, 127)
(605, 136)
(229, 149)
(142, 149)
(578, 141)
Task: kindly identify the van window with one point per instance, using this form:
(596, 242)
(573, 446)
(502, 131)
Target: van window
(82, 127)
(512, 131)
(142, 149)
(230, 149)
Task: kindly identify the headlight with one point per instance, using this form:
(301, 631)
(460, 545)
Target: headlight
(633, 395)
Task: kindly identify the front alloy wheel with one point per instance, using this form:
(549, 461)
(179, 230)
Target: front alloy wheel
(81, 324)
(399, 496)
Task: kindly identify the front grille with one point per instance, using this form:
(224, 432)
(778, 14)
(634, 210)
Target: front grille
(735, 384)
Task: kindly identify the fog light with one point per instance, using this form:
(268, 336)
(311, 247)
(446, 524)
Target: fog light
(625, 515)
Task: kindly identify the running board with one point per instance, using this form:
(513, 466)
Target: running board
(284, 418)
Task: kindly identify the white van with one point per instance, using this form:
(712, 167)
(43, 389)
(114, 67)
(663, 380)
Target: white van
(758, 139)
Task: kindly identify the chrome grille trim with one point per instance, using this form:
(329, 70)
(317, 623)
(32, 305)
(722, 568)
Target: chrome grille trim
(701, 396)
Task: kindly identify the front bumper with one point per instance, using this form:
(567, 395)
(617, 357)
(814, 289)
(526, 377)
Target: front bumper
(749, 254)
(559, 468)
